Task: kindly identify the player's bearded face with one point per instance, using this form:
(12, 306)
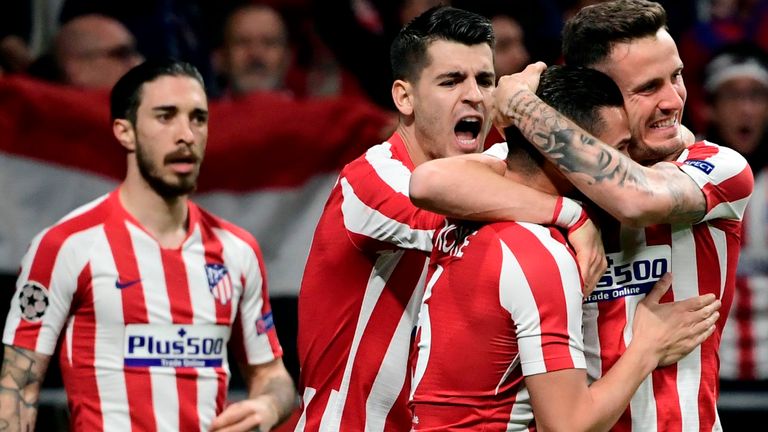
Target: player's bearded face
(168, 183)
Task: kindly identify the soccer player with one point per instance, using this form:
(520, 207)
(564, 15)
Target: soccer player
(364, 277)
(146, 289)
(500, 335)
(680, 203)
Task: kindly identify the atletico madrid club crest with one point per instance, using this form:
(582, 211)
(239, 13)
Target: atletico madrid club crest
(219, 282)
(33, 301)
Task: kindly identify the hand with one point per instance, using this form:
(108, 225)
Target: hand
(672, 330)
(507, 89)
(247, 415)
(590, 254)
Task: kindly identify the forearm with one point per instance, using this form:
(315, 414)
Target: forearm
(470, 189)
(632, 193)
(278, 391)
(20, 380)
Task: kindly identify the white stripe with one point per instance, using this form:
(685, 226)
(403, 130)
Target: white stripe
(396, 175)
(165, 399)
(150, 263)
(207, 391)
(521, 415)
(108, 354)
(686, 285)
(248, 303)
(729, 351)
(721, 246)
(425, 333)
(382, 270)
(364, 220)
(390, 379)
(309, 393)
(202, 302)
(516, 297)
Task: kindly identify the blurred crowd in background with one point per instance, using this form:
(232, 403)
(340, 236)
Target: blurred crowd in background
(338, 50)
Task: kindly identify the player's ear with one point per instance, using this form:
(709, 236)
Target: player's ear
(402, 95)
(125, 134)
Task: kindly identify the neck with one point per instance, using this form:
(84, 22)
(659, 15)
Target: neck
(416, 153)
(166, 219)
(545, 179)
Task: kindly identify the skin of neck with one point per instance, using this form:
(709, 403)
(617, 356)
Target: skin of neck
(165, 218)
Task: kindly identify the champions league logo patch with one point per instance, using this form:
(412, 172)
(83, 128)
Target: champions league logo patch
(219, 282)
(33, 301)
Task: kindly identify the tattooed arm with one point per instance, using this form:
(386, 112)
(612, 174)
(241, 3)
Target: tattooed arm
(634, 194)
(20, 380)
(271, 399)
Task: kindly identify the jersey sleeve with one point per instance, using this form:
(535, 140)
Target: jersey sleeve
(376, 209)
(540, 286)
(498, 150)
(724, 177)
(50, 272)
(254, 336)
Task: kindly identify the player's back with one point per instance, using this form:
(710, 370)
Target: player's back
(491, 294)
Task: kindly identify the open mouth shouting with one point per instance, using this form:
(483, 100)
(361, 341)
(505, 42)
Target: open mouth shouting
(467, 130)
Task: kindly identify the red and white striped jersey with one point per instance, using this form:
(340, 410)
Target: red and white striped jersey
(502, 302)
(145, 329)
(702, 258)
(361, 291)
(744, 347)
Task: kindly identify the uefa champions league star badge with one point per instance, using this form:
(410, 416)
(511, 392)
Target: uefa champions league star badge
(33, 301)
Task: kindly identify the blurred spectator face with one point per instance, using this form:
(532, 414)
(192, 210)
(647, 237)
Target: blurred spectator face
(511, 56)
(94, 51)
(255, 54)
(739, 111)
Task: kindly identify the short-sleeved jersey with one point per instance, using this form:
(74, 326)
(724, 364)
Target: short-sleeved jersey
(360, 295)
(702, 258)
(144, 328)
(744, 347)
(502, 302)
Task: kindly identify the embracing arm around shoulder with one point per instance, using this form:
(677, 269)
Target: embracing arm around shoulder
(476, 187)
(271, 399)
(20, 380)
(635, 194)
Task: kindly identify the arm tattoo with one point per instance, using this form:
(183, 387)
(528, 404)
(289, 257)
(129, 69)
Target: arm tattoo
(570, 148)
(21, 370)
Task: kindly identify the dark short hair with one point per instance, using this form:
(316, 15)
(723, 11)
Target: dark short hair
(576, 92)
(408, 53)
(589, 36)
(125, 98)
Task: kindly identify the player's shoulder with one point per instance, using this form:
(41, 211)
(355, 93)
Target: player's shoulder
(709, 150)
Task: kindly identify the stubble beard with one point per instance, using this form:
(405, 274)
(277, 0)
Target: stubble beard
(184, 186)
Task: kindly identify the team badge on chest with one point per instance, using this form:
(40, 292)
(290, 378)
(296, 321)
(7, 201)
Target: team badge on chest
(219, 282)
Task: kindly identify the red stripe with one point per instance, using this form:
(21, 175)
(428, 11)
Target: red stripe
(177, 284)
(732, 189)
(43, 263)
(137, 379)
(80, 376)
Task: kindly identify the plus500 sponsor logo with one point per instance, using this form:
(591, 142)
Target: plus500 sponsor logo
(175, 345)
(191, 346)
